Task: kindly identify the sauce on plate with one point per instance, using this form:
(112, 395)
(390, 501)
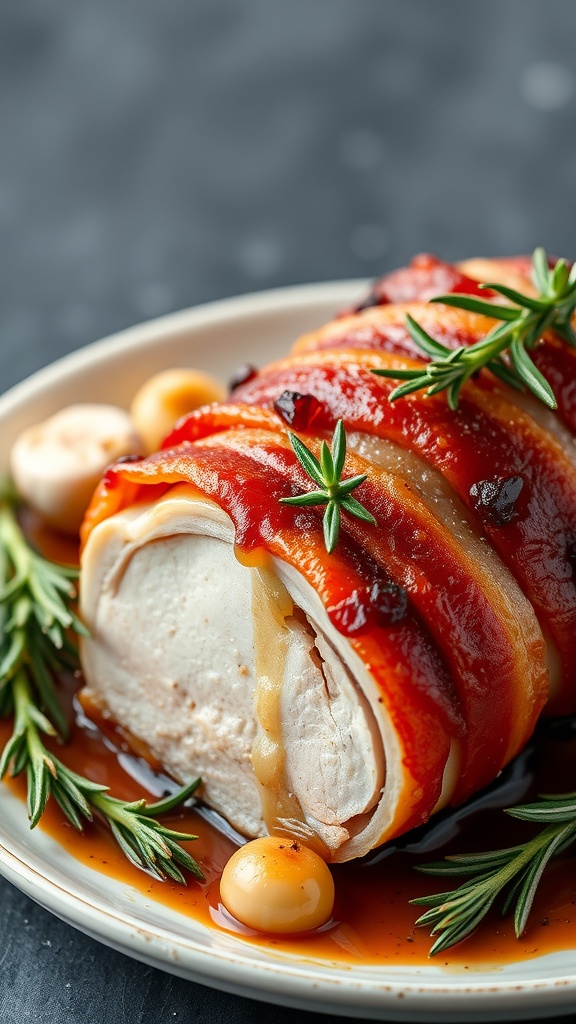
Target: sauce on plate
(373, 921)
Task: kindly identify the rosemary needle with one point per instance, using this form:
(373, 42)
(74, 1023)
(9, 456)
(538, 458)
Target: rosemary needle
(334, 492)
(515, 871)
(37, 625)
(505, 349)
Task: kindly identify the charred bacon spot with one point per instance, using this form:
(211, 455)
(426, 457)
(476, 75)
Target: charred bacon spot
(242, 375)
(298, 411)
(389, 602)
(495, 499)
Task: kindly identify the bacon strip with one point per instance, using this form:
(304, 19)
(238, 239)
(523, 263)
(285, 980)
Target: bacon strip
(485, 440)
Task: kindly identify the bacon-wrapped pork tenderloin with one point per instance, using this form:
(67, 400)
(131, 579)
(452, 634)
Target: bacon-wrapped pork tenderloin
(343, 697)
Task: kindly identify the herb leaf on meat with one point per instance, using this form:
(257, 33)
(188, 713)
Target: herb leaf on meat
(334, 492)
(505, 349)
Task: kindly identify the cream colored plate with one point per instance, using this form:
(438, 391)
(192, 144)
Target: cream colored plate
(218, 338)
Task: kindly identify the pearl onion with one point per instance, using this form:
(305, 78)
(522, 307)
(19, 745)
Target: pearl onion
(277, 885)
(167, 396)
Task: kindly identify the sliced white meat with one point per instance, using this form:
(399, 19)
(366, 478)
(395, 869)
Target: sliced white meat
(274, 722)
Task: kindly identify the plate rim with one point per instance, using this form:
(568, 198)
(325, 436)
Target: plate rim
(291, 986)
(317, 991)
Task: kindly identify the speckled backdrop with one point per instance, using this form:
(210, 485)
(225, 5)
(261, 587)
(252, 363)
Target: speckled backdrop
(159, 153)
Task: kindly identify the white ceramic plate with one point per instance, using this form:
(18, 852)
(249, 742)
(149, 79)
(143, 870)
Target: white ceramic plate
(218, 338)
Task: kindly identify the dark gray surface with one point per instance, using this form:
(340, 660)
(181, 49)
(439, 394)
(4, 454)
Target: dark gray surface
(155, 155)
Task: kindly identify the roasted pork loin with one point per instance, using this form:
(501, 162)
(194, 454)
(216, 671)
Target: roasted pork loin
(343, 698)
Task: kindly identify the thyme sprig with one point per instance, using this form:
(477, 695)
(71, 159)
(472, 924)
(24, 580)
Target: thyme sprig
(334, 492)
(505, 349)
(516, 871)
(37, 631)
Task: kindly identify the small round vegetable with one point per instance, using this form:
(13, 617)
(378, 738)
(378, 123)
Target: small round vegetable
(56, 464)
(167, 396)
(277, 885)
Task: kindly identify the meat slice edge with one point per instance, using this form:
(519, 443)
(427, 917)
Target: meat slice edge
(171, 657)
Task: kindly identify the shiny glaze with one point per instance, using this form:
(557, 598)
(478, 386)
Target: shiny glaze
(485, 438)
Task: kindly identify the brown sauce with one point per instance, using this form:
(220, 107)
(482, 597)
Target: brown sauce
(373, 921)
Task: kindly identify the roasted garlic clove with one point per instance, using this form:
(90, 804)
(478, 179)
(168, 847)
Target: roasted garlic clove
(56, 464)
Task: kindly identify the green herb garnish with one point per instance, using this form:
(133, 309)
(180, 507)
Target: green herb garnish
(523, 325)
(518, 869)
(335, 492)
(37, 639)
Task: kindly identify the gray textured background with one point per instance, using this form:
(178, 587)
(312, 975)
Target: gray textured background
(160, 153)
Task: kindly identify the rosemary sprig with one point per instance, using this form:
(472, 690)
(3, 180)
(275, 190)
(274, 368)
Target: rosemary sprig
(35, 616)
(335, 493)
(147, 843)
(36, 623)
(505, 348)
(518, 869)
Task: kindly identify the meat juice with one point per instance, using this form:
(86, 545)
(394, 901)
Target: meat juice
(373, 920)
